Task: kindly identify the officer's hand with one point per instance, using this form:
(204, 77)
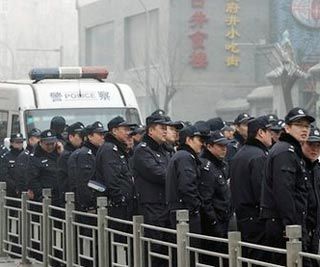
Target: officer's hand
(30, 194)
(59, 147)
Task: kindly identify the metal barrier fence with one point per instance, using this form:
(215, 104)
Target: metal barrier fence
(56, 236)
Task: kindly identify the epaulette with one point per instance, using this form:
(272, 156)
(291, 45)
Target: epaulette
(158, 155)
(44, 161)
(90, 152)
(192, 156)
(12, 161)
(291, 149)
(27, 152)
(207, 167)
(143, 144)
(121, 156)
(115, 148)
(32, 155)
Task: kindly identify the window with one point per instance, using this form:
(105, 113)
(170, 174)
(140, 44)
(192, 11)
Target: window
(100, 45)
(135, 39)
(3, 125)
(15, 127)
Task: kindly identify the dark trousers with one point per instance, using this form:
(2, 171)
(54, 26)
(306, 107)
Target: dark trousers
(253, 231)
(220, 229)
(155, 214)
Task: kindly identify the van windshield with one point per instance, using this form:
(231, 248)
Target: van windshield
(40, 118)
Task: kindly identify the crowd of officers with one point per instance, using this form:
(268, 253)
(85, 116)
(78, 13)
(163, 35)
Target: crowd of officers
(263, 170)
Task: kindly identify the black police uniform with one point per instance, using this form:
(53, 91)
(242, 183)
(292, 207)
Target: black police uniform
(82, 169)
(284, 191)
(7, 166)
(216, 202)
(20, 175)
(63, 169)
(182, 186)
(3, 150)
(150, 163)
(246, 175)
(114, 171)
(234, 146)
(42, 173)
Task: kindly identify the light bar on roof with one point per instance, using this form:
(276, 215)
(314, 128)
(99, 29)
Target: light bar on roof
(68, 73)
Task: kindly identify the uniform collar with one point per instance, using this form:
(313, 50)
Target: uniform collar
(70, 147)
(292, 141)
(206, 154)
(191, 151)
(239, 137)
(257, 143)
(112, 139)
(151, 142)
(91, 146)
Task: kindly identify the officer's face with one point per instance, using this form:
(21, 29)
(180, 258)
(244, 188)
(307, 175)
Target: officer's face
(218, 150)
(196, 143)
(49, 147)
(33, 140)
(299, 129)
(96, 139)
(242, 129)
(121, 133)
(266, 137)
(228, 134)
(172, 135)
(17, 145)
(75, 139)
(311, 150)
(275, 135)
(158, 133)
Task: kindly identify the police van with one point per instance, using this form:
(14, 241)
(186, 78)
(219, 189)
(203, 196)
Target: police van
(75, 93)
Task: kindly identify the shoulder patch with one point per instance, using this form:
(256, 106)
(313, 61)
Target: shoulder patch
(207, 166)
(143, 144)
(291, 149)
(192, 156)
(115, 148)
(44, 161)
(89, 152)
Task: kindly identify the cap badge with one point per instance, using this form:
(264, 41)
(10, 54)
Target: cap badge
(300, 111)
(221, 135)
(18, 135)
(245, 115)
(316, 132)
(99, 125)
(49, 134)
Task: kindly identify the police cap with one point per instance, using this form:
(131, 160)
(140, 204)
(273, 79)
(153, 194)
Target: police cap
(76, 127)
(34, 132)
(272, 118)
(215, 124)
(96, 127)
(160, 112)
(314, 135)
(261, 122)
(57, 122)
(138, 129)
(217, 137)
(242, 118)
(277, 126)
(48, 136)
(17, 138)
(191, 131)
(298, 114)
(156, 119)
(118, 122)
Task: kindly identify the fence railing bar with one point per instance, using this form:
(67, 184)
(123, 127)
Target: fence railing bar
(85, 226)
(209, 238)
(119, 220)
(85, 214)
(264, 248)
(56, 259)
(118, 244)
(111, 230)
(159, 255)
(51, 207)
(257, 262)
(159, 242)
(207, 252)
(12, 208)
(157, 228)
(309, 255)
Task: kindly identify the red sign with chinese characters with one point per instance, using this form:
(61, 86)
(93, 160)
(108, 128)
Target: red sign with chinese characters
(198, 57)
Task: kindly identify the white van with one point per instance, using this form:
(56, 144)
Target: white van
(75, 93)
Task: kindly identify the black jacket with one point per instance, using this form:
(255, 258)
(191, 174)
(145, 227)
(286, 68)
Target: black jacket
(7, 167)
(182, 180)
(284, 191)
(20, 174)
(42, 173)
(214, 188)
(234, 146)
(63, 168)
(114, 171)
(247, 169)
(82, 169)
(150, 163)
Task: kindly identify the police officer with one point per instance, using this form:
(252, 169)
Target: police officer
(311, 153)
(183, 177)
(246, 175)
(42, 168)
(114, 171)
(73, 142)
(22, 161)
(82, 167)
(137, 135)
(57, 126)
(8, 161)
(215, 193)
(284, 191)
(240, 135)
